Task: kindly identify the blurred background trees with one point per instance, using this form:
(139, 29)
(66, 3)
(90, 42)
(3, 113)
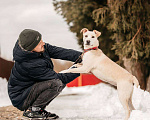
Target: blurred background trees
(125, 27)
(78, 15)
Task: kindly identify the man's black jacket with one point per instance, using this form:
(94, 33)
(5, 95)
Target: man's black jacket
(32, 67)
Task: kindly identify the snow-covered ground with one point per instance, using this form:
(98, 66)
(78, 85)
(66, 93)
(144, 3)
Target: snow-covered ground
(4, 99)
(99, 102)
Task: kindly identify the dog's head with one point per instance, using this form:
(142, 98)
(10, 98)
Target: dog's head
(90, 38)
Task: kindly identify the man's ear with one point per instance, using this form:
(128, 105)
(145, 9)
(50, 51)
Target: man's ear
(97, 33)
(84, 30)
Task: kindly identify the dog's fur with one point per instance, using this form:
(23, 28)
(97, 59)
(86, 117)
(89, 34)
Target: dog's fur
(102, 67)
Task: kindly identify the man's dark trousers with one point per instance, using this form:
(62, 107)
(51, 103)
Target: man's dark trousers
(42, 93)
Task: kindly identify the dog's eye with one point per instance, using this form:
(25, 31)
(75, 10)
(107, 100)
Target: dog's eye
(86, 35)
(93, 36)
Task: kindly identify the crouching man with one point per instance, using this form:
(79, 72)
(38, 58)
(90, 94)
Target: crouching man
(33, 83)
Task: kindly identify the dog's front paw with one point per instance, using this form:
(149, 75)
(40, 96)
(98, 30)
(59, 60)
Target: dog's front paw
(64, 71)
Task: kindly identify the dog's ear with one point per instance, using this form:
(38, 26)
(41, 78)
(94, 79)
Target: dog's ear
(84, 30)
(97, 33)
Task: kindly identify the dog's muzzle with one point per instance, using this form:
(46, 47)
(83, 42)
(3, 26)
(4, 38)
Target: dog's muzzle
(87, 42)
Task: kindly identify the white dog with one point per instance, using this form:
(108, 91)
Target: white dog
(95, 61)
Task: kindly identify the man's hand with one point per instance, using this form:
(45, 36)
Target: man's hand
(72, 67)
(64, 71)
(67, 70)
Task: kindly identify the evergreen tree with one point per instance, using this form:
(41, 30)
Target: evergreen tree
(130, 22)
(78, 15)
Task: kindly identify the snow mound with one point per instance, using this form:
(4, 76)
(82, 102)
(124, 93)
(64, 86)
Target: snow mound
(92, 103)
(141, 101)
(139, 115)
(102, 101)
(4, 99)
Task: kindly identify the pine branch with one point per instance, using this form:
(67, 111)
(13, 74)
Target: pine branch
(136, 33)
(132, 40)
(134, 53)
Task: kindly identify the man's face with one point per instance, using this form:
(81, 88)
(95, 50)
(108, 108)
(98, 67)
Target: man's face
(39, 47)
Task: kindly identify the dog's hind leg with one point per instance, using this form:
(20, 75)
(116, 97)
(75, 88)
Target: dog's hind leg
(124, 91)
(131, 105)
(130, 101)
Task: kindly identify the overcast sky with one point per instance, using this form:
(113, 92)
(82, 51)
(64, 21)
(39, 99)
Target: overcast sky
(16, 15)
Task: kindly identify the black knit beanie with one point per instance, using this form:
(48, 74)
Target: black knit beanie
(29, 39)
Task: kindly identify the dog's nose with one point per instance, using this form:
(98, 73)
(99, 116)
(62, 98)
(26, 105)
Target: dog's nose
(88, 42)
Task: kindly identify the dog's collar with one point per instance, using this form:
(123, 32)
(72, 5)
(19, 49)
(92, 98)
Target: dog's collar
(94, 48)
(85, 50)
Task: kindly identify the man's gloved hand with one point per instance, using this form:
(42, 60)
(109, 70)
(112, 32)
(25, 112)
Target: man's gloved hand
(72, 67)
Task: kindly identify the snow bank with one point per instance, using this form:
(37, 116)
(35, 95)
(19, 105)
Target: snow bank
(97, 102)
(101, 101)
(4, 99)
(141, 101)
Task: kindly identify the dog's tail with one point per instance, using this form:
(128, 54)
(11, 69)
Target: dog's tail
(135, 81)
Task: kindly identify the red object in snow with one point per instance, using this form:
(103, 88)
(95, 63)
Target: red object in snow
(84, 79)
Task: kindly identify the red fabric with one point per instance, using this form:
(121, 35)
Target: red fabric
(86, 79)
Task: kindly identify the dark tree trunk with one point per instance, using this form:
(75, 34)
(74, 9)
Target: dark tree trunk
(148, 84)
(140, 71)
